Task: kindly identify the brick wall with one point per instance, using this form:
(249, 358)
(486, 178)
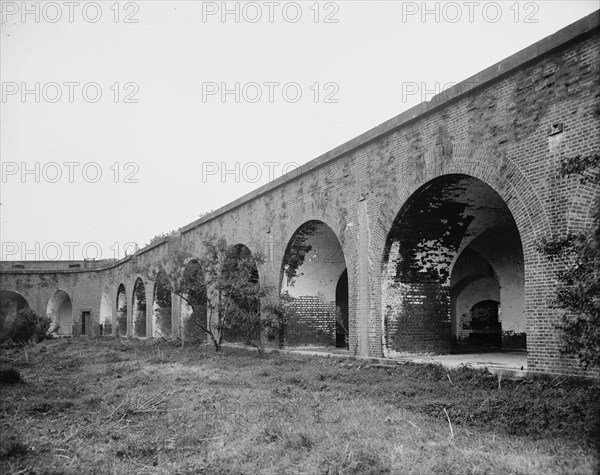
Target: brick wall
(309, 321)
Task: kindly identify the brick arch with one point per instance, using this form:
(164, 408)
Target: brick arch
(52, 301)
(345, 237)
(347, 240)
(20, 303)
(117, 286)
(123, 283)
(197, 259)
(152, 281)
(152, 291)
(106, 291)
(19, 294)
(509, 182)
(511, 185)
(147, 285)
(244, 237)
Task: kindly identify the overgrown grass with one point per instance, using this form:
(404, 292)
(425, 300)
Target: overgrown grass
(122, 406)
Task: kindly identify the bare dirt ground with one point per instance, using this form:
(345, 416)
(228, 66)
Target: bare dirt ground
(126, 406)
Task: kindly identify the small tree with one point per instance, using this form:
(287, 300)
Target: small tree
(578, 291)
(241, 295)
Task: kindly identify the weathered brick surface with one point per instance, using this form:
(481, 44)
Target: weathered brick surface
(310, 320)
(497, 133)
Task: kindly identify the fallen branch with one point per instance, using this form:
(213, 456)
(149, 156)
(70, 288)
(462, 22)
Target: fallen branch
(449, 423)
(414, 425)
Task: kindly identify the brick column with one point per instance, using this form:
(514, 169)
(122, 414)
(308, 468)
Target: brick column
(363, 300)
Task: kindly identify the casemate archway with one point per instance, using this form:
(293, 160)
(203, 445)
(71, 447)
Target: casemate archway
(121, 311)
(453, 274)
(106, 314)
(162, 321)
(314, 287)
(139, 309)
(60, 309)
(194, 309)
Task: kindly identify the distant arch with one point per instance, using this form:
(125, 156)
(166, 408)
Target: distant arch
(162, 302)
(139, 309)
(60, 309)
(196, 311)
(106, 312)
(121, 302)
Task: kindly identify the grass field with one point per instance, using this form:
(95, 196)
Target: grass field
(126, 406)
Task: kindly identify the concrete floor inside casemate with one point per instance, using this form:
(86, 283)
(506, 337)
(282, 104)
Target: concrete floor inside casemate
(506, 363)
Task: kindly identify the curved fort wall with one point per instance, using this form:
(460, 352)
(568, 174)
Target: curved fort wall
(496, 137)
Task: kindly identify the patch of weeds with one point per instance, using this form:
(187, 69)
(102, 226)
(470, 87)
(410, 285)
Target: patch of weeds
(12, 446)
(42, 407)
(358, 460)
(10, 376)
(299, 441)
(114, 358)
(92, 401)
(294, 381)
(136, 450)
(158, 359)
(69, 363)
(270, 434)
(132, 404)
(52, 405)
(283, 391)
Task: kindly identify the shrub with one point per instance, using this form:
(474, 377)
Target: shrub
(10, 376)
(107, 328)
(254, 325)
(140, 326)
(28, 326)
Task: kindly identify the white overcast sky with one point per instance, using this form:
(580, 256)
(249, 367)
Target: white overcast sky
(173, 132)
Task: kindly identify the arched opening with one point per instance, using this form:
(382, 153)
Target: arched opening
(162, 307)
(484, 325)
(121, 311)
(139, 309)
(195, 310)
(10, 303)
(60, 309)
(314, 288)
(453, 245)
(240, 281)
(106, 326)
